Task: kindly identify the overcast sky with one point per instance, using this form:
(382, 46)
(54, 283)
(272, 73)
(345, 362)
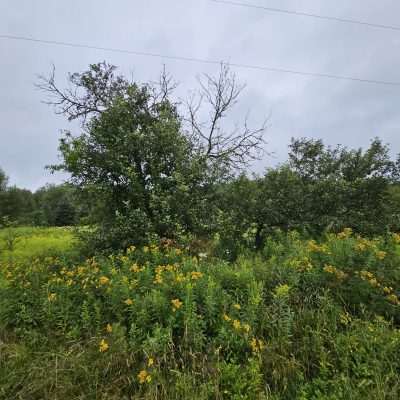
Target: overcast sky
(343, 112)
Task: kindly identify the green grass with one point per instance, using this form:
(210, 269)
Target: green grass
(25, 243)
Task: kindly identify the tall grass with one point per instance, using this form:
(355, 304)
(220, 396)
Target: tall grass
(301, 320)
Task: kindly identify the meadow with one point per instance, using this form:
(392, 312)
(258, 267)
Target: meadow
(28, 242)
(301, 319)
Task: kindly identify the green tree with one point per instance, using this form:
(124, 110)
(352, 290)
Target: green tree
(57, 205)
(17, 205)
(3, 180)
(345, 187)
(149, 169)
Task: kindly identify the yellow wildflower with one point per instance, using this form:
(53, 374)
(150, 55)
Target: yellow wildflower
(393, 299)
(180, 277)
(145, 249)
(347, 232)
(237, 306)
(366, 275)
(373, 282)
(103, 280)
(158, 279)
(396, 238)
(52, 297)
(196, 275)
(176, 304)
(246, 328)
(134, 268)
(387, 290)
(128, 302)
(130, 249)
(144, 377)
(380, 255)
(329, 269)
(150, 362)
(226, 317)
(257, 345)
(109, 328)
(236, 324)
(103, 347)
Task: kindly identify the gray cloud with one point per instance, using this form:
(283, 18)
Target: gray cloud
(344, 112)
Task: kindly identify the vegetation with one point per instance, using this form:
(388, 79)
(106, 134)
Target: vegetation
(300, 320)
(22, 244)
(163, 270)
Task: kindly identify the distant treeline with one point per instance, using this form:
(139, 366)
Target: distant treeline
(51, 205)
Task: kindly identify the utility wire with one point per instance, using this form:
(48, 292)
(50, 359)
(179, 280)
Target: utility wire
(306, 14)
(200, 60)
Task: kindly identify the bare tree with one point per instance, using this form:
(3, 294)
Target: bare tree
(234, 148)
(87, 94)
(93, 91)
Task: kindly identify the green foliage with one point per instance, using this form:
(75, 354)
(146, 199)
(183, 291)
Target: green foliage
(17, 205)
(3, 180)
(304, 319)
(57, 206)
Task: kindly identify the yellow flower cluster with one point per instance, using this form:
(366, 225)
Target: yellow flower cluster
(128, 302)
(237, 325)
(330, 269)
(164, 268)
(176, 304)
(393, 299)
(346, 233)
(314, 247)
(103, 280)
(301, 264)
(144, 377)
(136, 269)
(130, 249)
(196, 275)
(257, 345)
(103, 347)
(380, 255)
(364, 244)
(370, 278)
(396, 238)
(52, 297)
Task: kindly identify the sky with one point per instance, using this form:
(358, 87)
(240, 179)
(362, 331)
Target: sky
(337, 111)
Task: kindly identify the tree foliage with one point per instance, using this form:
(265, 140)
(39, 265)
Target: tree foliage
(148, 173)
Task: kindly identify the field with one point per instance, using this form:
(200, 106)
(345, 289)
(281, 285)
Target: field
(24, 243)
(302, 319)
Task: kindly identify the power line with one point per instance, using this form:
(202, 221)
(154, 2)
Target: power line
(200, 60)
(306, 14)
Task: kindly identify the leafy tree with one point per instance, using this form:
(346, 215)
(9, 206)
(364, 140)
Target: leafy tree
(3, 180)
(345, 187)
(57, 205)
(147, 172)
(17, 205)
